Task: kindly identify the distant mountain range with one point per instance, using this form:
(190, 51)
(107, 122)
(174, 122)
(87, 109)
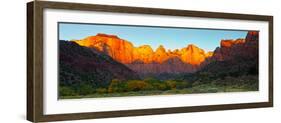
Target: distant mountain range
(125, 52)
(144, 60)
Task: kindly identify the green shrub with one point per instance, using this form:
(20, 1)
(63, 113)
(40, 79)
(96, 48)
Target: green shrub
(151, 80)
(101, 90)
(171, 84)
(163, 86)
(160, 86)
(66, 91)
(138, 85)
(117, 86)
(85, 89)
(196, 83)
(182, 85)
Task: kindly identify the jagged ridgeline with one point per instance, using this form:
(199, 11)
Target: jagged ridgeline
(235, 62)
(143, 59)
(80, 65)
(106, 65)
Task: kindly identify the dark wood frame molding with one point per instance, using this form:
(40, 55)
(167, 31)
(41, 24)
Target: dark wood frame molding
(35, 60)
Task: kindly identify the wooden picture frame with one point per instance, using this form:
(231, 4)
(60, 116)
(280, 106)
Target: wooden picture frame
(35, 62)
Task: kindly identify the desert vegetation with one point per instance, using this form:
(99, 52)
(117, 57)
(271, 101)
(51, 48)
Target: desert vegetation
(152, 86)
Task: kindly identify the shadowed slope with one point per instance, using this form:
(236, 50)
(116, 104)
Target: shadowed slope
(81, 64)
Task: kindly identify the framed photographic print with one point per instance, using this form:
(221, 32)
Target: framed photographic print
(96, 61)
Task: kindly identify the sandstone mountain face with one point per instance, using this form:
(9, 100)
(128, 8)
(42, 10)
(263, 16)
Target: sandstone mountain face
(124, 51)
(230, 43)
(235, 57)
(81, 64)
(193, 55)
(238, 49)
(209, 54)
(160, 55)
(143, 59)
(143, 54)
(119, 49)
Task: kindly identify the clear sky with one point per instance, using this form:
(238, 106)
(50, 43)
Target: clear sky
(170, 38)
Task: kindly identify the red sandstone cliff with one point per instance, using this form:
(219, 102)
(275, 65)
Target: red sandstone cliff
(240, 48)
(143, 59)
(124, 51)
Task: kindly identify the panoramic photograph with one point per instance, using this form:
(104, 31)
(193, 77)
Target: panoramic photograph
(106, 60)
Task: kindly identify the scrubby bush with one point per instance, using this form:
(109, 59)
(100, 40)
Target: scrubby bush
(101, 90)
(182, 85)
(151, 80)
(117, 86)
(66, 91)
(196, 83)
(205, 77)
(138, 85)
(85, 89)
(171, 84)
(160, 86)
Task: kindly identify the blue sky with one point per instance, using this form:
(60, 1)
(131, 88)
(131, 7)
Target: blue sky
(170, 38)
